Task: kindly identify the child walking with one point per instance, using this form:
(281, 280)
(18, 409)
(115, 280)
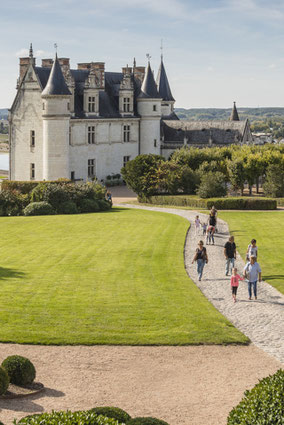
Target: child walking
(235, 283)
(204, 227)
(197, 224)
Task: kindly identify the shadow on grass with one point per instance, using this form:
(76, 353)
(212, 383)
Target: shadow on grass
(6, 273)
(274, 276)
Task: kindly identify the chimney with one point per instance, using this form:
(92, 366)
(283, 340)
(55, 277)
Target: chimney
(127, 70)
(85, 66)
(47, 63)
(65, 66)
(24, 64)
(139, 73)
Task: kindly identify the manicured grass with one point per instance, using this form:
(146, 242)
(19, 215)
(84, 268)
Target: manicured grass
(103, 278)
(267, 228)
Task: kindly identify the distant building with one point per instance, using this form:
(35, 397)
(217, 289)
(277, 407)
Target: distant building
(86, 122)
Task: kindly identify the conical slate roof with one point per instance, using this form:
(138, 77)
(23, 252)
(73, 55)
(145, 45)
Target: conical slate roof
(149, 88)
(163, 84)
(56, 84)
(234, 115)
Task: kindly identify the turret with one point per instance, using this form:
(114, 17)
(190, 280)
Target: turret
(149, 108)
(234, 114)
(164, 90)
(56, 99)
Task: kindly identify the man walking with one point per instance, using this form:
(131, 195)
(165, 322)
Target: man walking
(252, 271)
(230, 254)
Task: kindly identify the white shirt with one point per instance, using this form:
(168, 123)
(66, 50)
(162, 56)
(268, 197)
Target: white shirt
(252, 271)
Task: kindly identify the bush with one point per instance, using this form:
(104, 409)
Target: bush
(146, 421)
(4, 381)
(67, 418)
(212, 184)
(112, 412)
(67, 207)
(274, 182)
(12, 203)
(104, 205)
(39, 208)
(263, 405)
(88, 206)
(21, 371)
(24, 187)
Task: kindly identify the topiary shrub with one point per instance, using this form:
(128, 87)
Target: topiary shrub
(263, 405)
(112, 412)
(67, 207)
(21, 371)
(4, 381)
(67, 418)
(89, 205)
(39, 208)
(146, 421)
(104, 205)
(212, 185)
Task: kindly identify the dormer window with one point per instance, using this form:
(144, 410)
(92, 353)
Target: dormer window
(91, 104)
(126, 104)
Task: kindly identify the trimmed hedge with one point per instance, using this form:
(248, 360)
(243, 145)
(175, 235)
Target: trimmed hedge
(263, 405)
(146, 421)
(21, 371)
(26, 187)
(67, 418)
(88, 206)
(4, 381)
(112, 412)
(68, 207)
(235, 203)
(39, 208)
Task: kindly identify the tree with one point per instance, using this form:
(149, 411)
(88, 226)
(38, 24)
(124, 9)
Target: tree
(212, 185)
(274, 182)
(237, 174)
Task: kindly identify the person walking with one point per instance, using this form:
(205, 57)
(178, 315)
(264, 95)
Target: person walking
(230, 254)
(210, 235)
(235, 283)
(197, 224)
(252, 249)
(201, 258)
(252, 271)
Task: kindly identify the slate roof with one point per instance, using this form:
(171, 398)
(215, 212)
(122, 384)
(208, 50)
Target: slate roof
(200, 132)
(108, 99)
(234, 114)
(163, 84)
(149, 87)
(56, 84)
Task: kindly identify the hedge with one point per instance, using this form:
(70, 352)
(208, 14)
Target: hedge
(4, 381)
(67, 418)
(25, 187)
(146, 421)
(263, 405)
(112, 412)
(236, 203)
(21, 371)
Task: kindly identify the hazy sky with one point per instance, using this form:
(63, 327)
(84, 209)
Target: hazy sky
(215, 51)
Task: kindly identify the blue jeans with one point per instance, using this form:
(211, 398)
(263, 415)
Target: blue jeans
(230, 263)
(200, 267)
(250, 284)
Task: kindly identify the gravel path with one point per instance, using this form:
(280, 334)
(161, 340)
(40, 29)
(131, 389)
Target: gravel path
(262, 321)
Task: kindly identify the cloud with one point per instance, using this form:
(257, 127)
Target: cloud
(272, 66)
(38, 53)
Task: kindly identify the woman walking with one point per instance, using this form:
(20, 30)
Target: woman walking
(201, 258)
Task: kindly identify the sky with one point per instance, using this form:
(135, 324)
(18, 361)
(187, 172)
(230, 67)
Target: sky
(215, 51)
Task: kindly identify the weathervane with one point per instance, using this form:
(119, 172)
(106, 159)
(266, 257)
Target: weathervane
(55, 46)
(148, 56)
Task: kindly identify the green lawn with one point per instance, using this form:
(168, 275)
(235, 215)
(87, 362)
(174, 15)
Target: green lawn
(103, 278)
(267, 228)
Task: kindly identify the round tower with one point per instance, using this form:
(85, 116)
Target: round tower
(56, 123)
(149, 109)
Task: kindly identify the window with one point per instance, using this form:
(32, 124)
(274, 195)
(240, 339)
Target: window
(126, 133)
(72, 175)
(125, 160)
(155, 143)
(91, 167)
(43, 106)
(32, 171)
(155, 108)
(126, 104)
(68, 106)
(91, 135)
(92, 104)
(32, 138)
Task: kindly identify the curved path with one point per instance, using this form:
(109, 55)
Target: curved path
(262, 321)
